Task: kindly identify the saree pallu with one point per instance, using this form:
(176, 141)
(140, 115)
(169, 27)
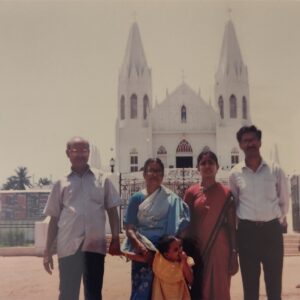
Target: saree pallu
(176, 218)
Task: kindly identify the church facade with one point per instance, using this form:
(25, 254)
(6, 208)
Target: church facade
(183, 124)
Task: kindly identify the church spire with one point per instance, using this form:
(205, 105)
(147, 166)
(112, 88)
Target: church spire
(135, 59)
(231, 61)
(231, 97)
(133, 146)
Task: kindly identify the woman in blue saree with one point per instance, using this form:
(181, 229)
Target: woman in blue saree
(152, 212)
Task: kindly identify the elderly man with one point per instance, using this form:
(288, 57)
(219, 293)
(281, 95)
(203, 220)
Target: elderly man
(76, 206)
(260, 189)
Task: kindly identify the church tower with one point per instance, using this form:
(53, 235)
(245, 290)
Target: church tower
(232, 99)
(133, 126)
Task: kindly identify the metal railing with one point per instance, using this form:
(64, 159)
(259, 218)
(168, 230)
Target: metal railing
(16, 233)
(177, 180)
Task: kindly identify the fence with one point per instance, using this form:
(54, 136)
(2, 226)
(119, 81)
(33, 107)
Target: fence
(16, 233)
(19, 210)
(177, 180)
(295, 195)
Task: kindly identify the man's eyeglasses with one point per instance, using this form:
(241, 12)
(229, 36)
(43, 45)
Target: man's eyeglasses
(248, 141)
(79, 151)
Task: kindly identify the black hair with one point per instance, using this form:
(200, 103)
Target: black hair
(153, 160)
(248, 129)
(164, 242)
(210, 154)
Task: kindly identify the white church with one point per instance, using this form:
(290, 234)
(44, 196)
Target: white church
(183, 124)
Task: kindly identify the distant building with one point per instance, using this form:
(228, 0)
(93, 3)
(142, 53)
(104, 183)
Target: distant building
(183, 124)
(24, 205)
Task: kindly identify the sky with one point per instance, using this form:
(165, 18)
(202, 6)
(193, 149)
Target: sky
(59, 64)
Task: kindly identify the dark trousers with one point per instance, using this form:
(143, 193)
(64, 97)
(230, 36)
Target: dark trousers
(261, 244)
(196, 289)
(72, 268)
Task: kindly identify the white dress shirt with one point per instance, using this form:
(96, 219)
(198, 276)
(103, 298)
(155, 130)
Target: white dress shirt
(261, 195)
(79, 202)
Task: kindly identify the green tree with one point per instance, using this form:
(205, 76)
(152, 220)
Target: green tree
(19, 181)
(44, 181)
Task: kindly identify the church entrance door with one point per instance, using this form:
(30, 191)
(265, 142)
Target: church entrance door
(184, 161)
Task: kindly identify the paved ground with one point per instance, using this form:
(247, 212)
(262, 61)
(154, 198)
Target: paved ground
(23, 278)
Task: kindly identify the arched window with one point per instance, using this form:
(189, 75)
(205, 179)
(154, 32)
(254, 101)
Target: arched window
(134, 161)
(183, 114)
(133, 106)
(234, 157)
(221, 107)
(145, 107)
(245, 114)
(184, 146)
(122, 108)
(233, 107)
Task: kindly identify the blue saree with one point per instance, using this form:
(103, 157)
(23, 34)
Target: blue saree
(165, 213)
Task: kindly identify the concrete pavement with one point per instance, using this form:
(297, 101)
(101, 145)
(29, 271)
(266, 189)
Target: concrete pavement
(23, 278)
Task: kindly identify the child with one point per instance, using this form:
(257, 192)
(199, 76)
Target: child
(172, 270)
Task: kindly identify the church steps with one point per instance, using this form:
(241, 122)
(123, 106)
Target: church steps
(291, 244)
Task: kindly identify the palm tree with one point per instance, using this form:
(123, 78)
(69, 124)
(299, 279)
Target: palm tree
(44, 181)
(10, 184)
(20, 181)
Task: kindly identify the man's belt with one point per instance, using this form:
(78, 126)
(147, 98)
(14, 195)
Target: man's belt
(258, 223)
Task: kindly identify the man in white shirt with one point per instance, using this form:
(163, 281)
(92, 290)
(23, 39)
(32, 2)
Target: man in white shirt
(261, 193)
(77, 205)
